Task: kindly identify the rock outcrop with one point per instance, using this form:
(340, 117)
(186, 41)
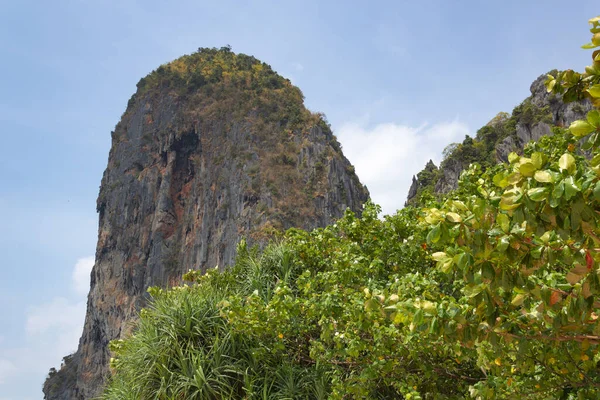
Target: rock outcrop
(213, 147)
(529, 121)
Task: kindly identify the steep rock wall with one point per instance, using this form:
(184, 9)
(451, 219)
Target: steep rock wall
(191, 172)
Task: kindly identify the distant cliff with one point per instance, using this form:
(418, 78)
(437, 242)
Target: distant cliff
(533, 118)
(213, 147)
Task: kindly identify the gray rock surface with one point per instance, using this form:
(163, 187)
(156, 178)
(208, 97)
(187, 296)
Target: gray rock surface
(449, 180)
(561, 115)
(414, 186)
(179, 192)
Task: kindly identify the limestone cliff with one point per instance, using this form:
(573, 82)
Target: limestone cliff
(213, 147)
(529, 121)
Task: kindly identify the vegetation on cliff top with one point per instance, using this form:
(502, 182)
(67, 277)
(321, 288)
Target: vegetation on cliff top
(481, 149)
(491, 293)
(212, 76)
(236, 91)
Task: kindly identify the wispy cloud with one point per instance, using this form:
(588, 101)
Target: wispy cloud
(387, 155)
(58, 316)
(81, 275)
(52, 329)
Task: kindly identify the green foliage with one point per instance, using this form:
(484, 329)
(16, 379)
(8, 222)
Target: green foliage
(482, 148)
(490, 294)
(426, 180)
(184, 347)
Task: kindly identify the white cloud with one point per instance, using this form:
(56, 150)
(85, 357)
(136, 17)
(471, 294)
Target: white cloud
(7, 369)
(59, 316)
(81, 275)
(52, 331)
(386, 156)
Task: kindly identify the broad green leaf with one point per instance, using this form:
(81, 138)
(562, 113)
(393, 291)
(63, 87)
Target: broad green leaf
(594, 91)
(559, 190)
(503, 244)
(453, 217)
(487, 270)
(546, 236)
(537, 159)
(514, 178)
(439, 256)
(567, 162)
(536, 252)
(581, 128)
(434, 234)
(418, 318)
(504, 222)
(543, 176)
(571, 188)
(593, 117)
(473, 290)
(463, 260)
(512, 157)
(527, 169)
(597, 191)
(510, 200)
(446, 265)
(500, 180)
(591, 70)
(596, 39)
(372, 305)
(518, 300)
(537, 194)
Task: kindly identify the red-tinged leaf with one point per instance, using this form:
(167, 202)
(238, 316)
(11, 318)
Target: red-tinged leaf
(555, 297)
(589, 260)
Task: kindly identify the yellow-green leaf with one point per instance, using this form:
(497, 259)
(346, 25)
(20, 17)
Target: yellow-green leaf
(537, 159)
(453, 217)
(593, 118)
(504, 222)
(518, 300)
(581, 128)
(567, 162)
(542, 176)
(537, 194)
(594, 91)
(527, 169)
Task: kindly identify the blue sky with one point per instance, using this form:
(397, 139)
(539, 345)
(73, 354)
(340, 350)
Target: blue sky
(398, 81)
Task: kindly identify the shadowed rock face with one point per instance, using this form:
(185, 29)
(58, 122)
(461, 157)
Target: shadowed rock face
(195, 166)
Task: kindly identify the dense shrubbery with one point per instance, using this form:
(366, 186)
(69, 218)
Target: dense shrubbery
(489, 293)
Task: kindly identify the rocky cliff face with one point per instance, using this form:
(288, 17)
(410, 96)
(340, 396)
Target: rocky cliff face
(212, 148)
(506, 133)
